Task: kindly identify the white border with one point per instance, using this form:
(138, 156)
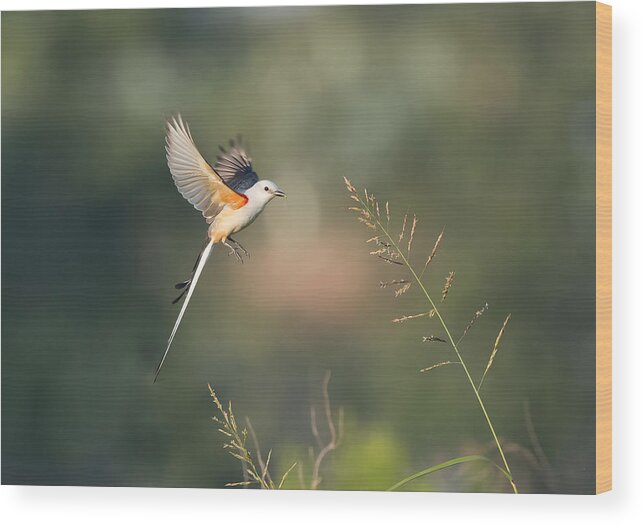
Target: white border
(109, 506)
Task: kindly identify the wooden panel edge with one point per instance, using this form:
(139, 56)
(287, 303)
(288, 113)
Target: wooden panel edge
(603, 247)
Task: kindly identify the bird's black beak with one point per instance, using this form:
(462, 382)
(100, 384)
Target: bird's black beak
(279, 193)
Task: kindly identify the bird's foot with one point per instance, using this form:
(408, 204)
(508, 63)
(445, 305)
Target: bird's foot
(240, 246)
(236, 254)
(235, 251)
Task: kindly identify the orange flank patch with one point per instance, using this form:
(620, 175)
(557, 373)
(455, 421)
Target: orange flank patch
(241, 201)
(225, 194)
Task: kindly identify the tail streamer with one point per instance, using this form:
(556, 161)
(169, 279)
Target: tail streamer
(197, 273)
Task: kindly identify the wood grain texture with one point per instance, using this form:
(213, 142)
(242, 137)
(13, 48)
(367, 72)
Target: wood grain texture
(603, 248)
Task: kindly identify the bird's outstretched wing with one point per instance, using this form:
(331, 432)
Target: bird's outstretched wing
(195, 179)
(235, 167)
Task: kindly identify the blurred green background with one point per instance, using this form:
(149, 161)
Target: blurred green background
(479, 118)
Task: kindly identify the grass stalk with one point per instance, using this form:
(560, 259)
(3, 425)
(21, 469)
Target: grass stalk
(235, 444)
(448, 464)
(394, 243)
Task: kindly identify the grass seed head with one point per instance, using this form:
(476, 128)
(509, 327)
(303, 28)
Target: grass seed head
(435, 366)
(402, 290)
(477, 315)
(447, 285)
(415, 222)
(494, 351)
(430, 314)
(350, 186)
(403, 228)
(435, 249)
(384, 284)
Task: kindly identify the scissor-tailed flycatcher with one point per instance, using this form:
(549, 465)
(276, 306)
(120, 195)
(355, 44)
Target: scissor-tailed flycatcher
(229, 194)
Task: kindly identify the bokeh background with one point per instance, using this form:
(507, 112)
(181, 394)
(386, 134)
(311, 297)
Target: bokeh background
(479, 118)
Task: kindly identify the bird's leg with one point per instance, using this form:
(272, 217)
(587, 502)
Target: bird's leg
(233, 250)
(240, 246)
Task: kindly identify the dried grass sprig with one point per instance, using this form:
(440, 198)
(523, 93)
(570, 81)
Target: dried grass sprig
(430, 314)
(494, 351)
(262, 465)
(335, 433)
(285, 475)
(366, 222)
(447, 285)
(406, 216)
(235, 444)
(384, 284)
(349, 186)
(415, 222)
(402, 290)
(433, 252)
(477, 315)
(436, 365)
(386, 238)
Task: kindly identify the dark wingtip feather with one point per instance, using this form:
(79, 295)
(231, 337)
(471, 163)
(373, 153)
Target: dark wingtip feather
(182, 284)
(181, 295)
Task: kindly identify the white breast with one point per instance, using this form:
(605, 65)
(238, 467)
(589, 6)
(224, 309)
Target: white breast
(230, 221)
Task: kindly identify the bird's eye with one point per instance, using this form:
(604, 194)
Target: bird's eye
(266, 188)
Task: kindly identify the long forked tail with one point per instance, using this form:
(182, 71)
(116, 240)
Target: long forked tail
(197, 272)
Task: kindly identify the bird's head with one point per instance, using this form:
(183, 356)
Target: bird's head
(264, 191)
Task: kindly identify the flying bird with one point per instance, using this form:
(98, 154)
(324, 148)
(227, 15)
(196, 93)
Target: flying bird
(228, 193)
